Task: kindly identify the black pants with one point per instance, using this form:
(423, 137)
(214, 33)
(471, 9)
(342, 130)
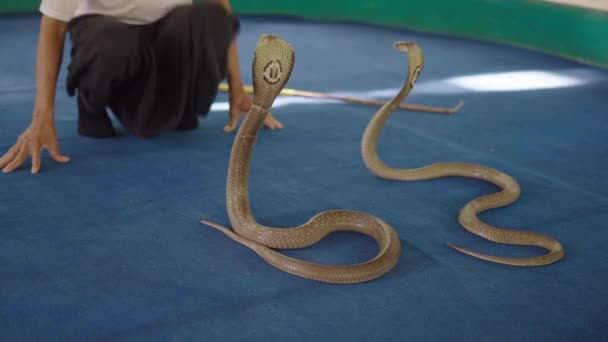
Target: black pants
(154, 77)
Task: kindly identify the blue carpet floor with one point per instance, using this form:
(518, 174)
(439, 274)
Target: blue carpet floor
(109, 247)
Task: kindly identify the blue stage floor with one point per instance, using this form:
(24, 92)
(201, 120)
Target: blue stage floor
(109, 247)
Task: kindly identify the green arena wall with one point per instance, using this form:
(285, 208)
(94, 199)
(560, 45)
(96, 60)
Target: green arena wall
(571, 32)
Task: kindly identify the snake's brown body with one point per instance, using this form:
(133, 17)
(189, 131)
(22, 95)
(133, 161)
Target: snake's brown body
(272, 67)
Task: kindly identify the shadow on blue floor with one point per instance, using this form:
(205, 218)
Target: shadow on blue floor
(109, 247)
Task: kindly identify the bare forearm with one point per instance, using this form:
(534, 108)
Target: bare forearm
(234, 70)
(51, 42)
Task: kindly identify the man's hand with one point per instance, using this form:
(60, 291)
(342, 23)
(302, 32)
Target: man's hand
(240, 103)
(39, 135)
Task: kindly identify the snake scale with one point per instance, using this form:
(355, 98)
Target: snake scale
(272, 67)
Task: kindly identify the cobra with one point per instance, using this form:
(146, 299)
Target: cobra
(510, 189)
(263, 239)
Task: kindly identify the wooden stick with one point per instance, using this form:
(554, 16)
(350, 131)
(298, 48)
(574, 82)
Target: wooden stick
(302, 93)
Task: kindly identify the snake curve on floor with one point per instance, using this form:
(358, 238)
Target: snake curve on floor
(468, 214)
(272, 67)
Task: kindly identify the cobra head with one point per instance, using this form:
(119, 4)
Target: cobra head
(415, 60)
(273, 63)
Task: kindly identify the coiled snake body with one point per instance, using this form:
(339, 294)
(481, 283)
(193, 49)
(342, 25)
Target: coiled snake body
(272, 67)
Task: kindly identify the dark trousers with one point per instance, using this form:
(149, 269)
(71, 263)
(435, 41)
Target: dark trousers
(156, 77)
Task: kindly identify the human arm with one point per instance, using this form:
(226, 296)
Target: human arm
(240, 101)
(41, 132)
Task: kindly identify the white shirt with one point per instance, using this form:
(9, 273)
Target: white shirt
(127, 11)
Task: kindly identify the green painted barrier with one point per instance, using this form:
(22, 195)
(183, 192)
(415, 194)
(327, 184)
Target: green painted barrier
(18, 6)
(571, 32)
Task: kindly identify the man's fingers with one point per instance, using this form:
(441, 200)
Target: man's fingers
(9, 156)
(17, 161)
(234, 120)
(272, 123)
(269, 125)
(35, 159)
(56, 155)
(276, 123)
